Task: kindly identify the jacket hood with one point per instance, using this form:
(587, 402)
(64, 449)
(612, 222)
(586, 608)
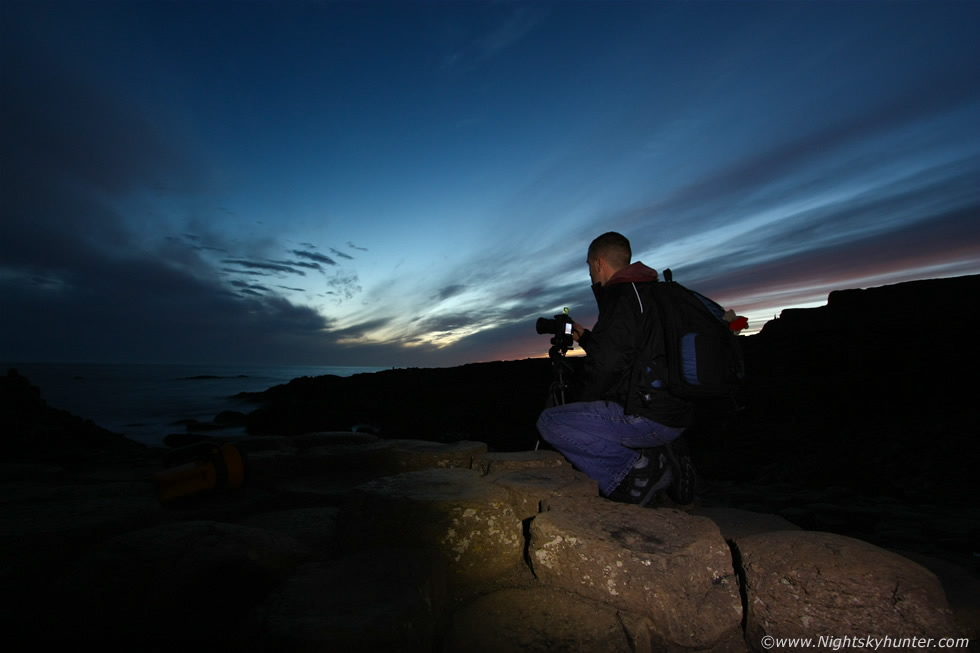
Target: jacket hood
(634, 272)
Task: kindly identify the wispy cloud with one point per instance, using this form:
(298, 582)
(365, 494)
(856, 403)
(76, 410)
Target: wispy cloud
(449, 291)
(315, 256)
(265, 266)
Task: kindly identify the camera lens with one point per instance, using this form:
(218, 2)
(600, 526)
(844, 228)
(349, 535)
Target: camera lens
(545, 325)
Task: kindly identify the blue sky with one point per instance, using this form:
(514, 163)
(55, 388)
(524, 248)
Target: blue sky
(414, 183)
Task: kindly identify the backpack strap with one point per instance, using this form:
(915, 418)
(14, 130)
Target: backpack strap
(639, 345)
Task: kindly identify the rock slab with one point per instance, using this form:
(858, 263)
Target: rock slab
(663, 564)
(812, 584)
(454, 511)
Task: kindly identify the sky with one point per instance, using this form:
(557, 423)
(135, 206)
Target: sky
(413, 184)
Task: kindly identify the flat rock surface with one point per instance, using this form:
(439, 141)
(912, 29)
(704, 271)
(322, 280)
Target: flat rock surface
(808, 584)
(663, 564)
(467, 518)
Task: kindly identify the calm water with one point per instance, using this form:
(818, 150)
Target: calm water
(145, 402)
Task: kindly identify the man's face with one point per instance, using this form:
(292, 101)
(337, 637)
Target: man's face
(595, 271)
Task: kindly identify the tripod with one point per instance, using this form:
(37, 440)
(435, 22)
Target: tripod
(559, 366)
(559, 384)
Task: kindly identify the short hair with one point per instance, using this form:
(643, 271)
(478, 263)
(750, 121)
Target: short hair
(613, 247)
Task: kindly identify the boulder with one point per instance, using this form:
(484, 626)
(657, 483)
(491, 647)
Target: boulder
(413, 455)
(376, 600)
(501, 461)
(529, 487)
(813, 584)
(663, 564)
(455, 511)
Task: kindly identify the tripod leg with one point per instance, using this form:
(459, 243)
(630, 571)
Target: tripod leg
(684, 487)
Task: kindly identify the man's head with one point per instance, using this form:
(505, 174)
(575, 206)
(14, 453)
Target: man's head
(608, 254)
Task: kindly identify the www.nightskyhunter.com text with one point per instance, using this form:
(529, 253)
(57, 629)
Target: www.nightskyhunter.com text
(871, 643)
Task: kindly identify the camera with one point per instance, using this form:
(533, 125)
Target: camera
(560, 327)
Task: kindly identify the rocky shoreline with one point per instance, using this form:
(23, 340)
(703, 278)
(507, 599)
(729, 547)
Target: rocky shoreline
(837, 442)
(347, 540)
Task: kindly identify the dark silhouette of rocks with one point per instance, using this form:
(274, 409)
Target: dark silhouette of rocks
(871, 391)
(37, 432)
(497, 403)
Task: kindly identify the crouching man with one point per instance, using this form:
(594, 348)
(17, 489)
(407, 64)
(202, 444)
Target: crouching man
(609, 433)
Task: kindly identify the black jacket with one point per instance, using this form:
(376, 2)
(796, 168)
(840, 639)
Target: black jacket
(626, 312)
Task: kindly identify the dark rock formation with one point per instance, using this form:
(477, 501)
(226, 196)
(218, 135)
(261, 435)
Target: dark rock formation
(497, 403)
(306, 556)
(871, 392)
(37, 432)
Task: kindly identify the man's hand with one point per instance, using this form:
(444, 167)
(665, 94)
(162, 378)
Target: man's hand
(577, 331)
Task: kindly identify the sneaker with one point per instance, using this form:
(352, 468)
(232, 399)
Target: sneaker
(643, 483)
(684, 484)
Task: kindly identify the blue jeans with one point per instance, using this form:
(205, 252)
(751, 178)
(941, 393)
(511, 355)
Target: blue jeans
(599, 439)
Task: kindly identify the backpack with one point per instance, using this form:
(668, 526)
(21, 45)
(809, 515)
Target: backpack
(688, 346)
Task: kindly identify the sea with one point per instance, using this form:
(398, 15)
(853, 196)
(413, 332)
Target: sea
(147, 402)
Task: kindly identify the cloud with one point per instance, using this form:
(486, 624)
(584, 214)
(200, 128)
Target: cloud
(344, 285)
(360, 331)
(449, 291)
(709, 198)
(342, 254)
(252, 288)
(264, 266)
(144, 310)
(314, 256)
(76, 280)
